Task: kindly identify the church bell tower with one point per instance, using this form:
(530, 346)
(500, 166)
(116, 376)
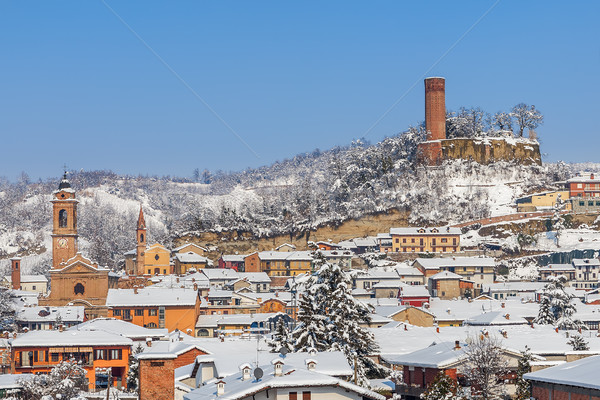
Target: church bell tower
(64, 220)
(141, 244)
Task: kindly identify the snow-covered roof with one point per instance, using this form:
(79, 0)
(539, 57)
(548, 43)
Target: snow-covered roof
(388, 284)
(119, 327)
(445, 275)
(220, 273)
(151, 297)
(177, 249)
(524, 287)
(300, 256)
(29, 279)
(583, 178)
(440, 355)
(300, 377)
(233, 257)
(447, 262)
(580, 373)
(442, 230)
(408, 271)
(378, 273)
(578, 262)
(413, 291)
(255, 277)
(70, 338)
(365, 242)
(50, 314)
(557, 267)
(232, 319)
(495, 318)
(191, 257)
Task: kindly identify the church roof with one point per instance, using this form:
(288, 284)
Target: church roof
(141, 220)
(64, 183)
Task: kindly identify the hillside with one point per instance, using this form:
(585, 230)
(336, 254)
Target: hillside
(289, 198)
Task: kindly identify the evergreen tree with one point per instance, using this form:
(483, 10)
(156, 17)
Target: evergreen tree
(523, 392)
(558, 220)
(442, 388)
(134, 370)
(556, 305)
(578, 343)
(330, 319)
(281, 337)
(65, 381)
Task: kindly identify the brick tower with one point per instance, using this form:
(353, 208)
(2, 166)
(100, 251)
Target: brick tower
(64, 220)
(15, 272)
(141, 244)
(430, 152)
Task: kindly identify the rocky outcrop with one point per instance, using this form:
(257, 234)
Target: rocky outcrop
(489, 150)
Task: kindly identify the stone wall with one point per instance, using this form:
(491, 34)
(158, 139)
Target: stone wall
(486, 151)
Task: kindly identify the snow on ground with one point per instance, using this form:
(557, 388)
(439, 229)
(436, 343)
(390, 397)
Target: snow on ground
(570, 239)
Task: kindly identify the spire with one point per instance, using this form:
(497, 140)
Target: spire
(141, 220)
(64, 183)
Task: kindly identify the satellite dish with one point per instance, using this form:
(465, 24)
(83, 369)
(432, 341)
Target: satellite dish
(258, 373)
(283, 351)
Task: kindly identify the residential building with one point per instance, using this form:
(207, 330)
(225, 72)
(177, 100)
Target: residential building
(37, 352)
(568, 270)
(232, 261)
(584, 185)
(587, 273)
(422, 240)
(150, 307)
(48, 318)
(189, 262)
(29, 283)
(479, 270)
(542, 201)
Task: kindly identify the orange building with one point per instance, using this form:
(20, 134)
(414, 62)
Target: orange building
(150, 307)
(420, 240)
(157, 260)
(37, 352)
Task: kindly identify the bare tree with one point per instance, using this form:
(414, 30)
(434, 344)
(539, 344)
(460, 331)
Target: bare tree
(526, 117)
(485, 368)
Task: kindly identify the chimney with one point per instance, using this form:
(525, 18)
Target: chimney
(61, 327)
(135, 290)
(556, 329)
(149, 342)
(507, 316)
(278, 368)
(196, 286)
(503, 305)
(457, 345)
(245, 372)
(592, 175)
(504, 333)
(437, 329)
(220, 388)
(405, 328)
(15, 275)
(311, 364)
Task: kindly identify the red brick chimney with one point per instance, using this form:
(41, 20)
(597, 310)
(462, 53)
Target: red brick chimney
(15, 275)
(156, 376)
(435, 108)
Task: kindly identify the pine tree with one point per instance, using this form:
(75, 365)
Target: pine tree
(558, 220)
(134, 370)
(331, 318)
(442, 388)
(556, 305)
(281, 338)
(523, 392)
(578, 343)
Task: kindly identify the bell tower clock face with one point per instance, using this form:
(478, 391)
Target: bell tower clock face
(62, 243)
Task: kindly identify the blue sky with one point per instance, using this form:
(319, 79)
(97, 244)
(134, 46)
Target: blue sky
(287, 76)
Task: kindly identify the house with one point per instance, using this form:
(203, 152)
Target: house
(286, 247)
(189, 261)
(232, 261)
(413, 295)
(506, 290)
(572, 380)
(343, 258)
(48, 318)
(587, 273)
(542, 201)
(584, 186)
(219, 277)
(384, 241)
(479, 270)
(420, 240)
(149, 307)
(279, 380)
(568, 270)
(136, 333)
(327, 246)
(237, 324)
(279, 263)
(369, 278)
(29, 283)
(409, 314)
(421, 367)
(448, 285)
(157, 260)
(37, 352)
(256, 281)
(190, 247)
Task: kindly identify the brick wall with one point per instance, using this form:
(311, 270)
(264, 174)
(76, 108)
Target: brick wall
(157, 379)
(543, 391)
(187, 358)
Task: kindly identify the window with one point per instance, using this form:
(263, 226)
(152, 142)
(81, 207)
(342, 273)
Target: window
(115, 354)
(151, 325)
(33, 287)
(582, 203)
(412, 240)
(62, 218)
(590, 203)
(54, 357)
(139, 312)
(293, 396)
(149, 272)
(305, 395)
(152, 312)
(116, 313)
(444, 240)
(126, 314)
(454, 241)
(79, 289)
(433, 241)
(100, 354)
(156, 257)
(142, 237)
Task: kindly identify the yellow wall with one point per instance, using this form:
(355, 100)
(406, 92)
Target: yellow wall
(423, 242)
(162, 263)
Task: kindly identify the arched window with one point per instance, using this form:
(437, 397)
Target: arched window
(79, 289)
(16, 265)
(142, 237)
(151, 325)
(62, 218)
(202, 332)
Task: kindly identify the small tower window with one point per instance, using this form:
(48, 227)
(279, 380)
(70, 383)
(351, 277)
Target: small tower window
(16, 265)
(142, 237)
(62, 218)
(79, 289)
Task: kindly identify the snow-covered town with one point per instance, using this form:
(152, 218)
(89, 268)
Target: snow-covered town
(452, 257)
